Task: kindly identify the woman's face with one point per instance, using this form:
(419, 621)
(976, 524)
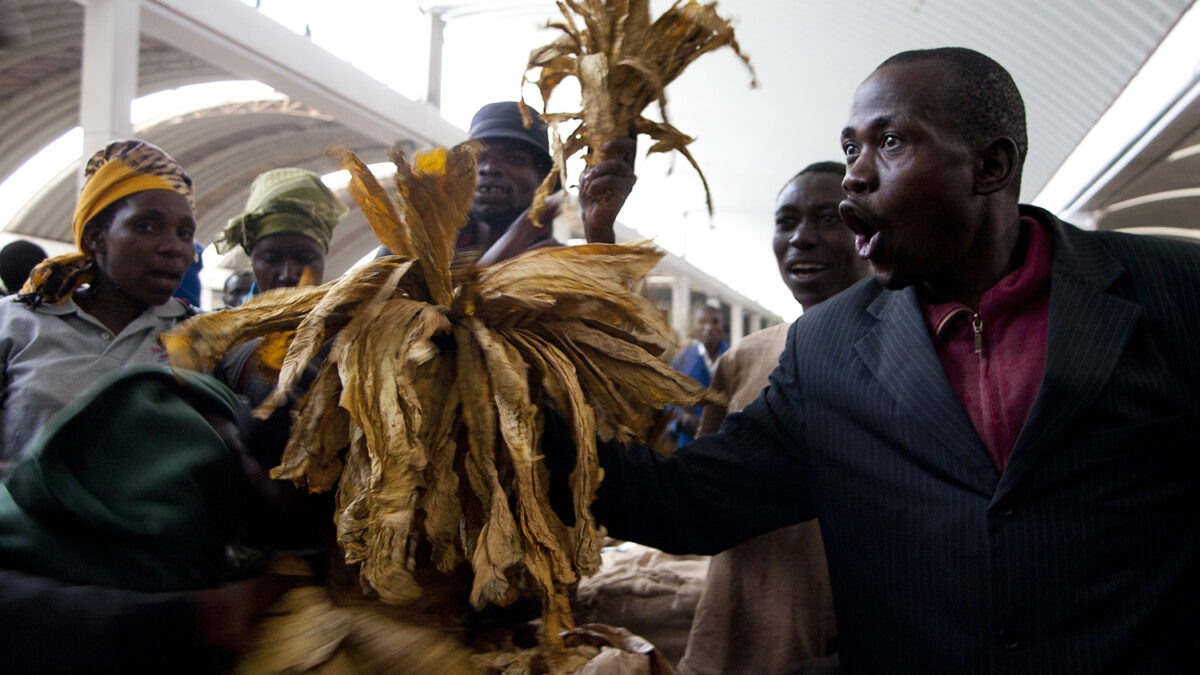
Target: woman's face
(147, 246)
(279, 260)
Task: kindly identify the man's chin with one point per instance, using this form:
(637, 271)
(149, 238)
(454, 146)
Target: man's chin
(893, 280)
(491, 214)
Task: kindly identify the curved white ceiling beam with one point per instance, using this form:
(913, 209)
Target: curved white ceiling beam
(235, 37)
(1154, 198)
(60, 154)
(1184, 153)
(1174, 232)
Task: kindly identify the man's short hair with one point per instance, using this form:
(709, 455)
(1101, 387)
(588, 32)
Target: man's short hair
(985, 100)
(834, 168)
(17, 259)
(706, 308)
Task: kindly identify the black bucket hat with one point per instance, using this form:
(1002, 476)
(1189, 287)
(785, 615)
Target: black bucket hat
(503, 120)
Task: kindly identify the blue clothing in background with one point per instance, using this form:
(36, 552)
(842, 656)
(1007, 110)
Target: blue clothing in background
(690, 362)
(189, 288)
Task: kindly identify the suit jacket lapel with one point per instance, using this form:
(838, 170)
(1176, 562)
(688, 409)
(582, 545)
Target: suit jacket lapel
(1088, 331)
(900, 354)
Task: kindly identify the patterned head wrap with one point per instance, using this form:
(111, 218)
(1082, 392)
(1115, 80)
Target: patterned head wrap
(121, 169)
(284, 201)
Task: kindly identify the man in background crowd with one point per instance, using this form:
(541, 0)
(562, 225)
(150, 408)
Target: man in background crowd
(696, 361)
(17, 260)
(237, 288)
(767, 605)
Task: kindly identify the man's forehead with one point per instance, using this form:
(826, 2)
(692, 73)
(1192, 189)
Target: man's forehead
(898, 92)
(811, 190)
(500, 144)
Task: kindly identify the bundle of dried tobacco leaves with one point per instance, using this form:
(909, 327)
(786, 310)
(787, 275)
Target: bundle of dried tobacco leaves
(623, 62)
(427, 413)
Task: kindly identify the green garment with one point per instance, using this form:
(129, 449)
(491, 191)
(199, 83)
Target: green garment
(128, 487)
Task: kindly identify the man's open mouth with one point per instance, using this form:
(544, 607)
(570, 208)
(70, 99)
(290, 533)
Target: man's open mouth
(490, 190)
(806, 269)
(168, 275)
(866, 235)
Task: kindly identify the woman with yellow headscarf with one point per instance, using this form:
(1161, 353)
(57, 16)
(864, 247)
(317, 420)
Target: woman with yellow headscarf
(113, 526)
(85, 314)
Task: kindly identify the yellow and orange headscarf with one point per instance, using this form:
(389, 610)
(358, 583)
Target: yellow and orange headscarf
(121, 169)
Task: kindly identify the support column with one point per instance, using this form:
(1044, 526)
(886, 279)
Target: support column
(437, 38)
(681, 300)
(756, 321)
(737, 317)
(108, 77)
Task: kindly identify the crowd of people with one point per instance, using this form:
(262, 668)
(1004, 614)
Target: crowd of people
(988, 411)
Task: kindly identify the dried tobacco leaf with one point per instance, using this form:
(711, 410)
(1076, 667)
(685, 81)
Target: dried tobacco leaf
(305, 632)
(435, 197)
(545, 559)
(426, 413)
(200, 341)
(623, 62)
(568, 395)
(327, 315)
(498, 546)
(311, 458)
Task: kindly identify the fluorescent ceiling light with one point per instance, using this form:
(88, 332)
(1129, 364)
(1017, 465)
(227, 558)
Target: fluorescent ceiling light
(1169, 72)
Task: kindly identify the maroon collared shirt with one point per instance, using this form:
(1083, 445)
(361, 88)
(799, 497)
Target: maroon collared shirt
(995, 358)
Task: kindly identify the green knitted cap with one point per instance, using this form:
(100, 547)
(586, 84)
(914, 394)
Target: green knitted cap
(284, 201)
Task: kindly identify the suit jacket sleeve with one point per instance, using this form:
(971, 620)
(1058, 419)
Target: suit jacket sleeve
(727, 487)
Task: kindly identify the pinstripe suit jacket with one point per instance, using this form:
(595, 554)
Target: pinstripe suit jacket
(1082, 557)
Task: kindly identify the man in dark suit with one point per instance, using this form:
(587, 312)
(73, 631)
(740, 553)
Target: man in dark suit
(998, 431)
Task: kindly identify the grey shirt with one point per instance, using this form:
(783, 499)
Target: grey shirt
(50, 354)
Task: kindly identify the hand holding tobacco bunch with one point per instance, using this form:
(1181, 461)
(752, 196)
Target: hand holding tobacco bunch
(623, 62)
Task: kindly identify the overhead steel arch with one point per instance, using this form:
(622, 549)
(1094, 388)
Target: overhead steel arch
(223, 148)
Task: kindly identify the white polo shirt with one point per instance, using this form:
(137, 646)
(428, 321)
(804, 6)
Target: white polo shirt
(50, 354)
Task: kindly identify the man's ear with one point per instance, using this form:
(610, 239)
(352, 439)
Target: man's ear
(93, 238)
(998, 165)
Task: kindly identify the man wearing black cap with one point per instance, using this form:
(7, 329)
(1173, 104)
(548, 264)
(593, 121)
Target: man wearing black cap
(514, 161)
